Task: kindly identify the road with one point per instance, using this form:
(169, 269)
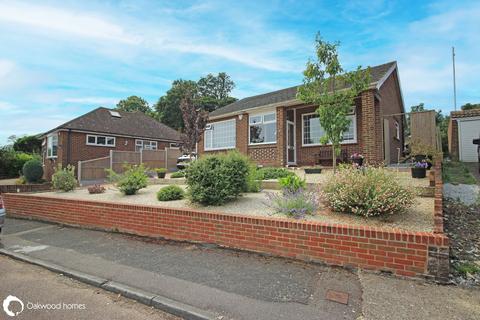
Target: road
(74, 300)
(233, 284)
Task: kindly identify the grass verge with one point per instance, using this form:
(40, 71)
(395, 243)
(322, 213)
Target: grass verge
(456, 172)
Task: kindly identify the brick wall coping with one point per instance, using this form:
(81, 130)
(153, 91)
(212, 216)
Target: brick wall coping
(392, 234)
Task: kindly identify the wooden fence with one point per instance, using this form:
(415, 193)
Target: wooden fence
(424, 130)
(94, 169)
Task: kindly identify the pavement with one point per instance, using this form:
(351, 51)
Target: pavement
(233, 284)
(71, 299)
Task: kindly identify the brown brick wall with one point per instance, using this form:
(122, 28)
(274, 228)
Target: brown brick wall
(79, 150)
(391, 108)
(403, 253)
(453, 144)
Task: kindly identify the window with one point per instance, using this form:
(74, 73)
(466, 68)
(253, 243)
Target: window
(52, 146)
(146, 145)
(313, 131)
(397, 130)
(174, 145)
(93, 140)
(220, 135)
(263, 128)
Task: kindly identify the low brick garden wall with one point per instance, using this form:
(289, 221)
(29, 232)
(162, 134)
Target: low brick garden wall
(401, 253)
(16, 188)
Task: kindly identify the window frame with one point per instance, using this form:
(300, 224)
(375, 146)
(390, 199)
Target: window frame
(221, 148)
(263, 114)
(351, 141)
(96, 144)
(397, 129)
(50, 145)
(142, 145)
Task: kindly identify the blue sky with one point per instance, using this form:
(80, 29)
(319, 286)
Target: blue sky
(60, 59)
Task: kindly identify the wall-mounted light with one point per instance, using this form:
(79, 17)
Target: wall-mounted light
(240, 117)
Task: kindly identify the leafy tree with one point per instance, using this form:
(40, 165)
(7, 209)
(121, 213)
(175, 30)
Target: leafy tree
(470, 106)
(28, 144)
(218, 87)
(168, 106)
(194, 119)
(327, 85)
(134, 103)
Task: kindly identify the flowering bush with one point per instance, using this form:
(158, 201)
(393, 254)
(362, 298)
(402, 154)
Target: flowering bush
(295, 204)
(96, 188)
(356, 155)
(421, 164)
(367, 192)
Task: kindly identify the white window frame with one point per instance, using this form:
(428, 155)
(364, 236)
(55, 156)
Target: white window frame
(50, 145)
(141, 143)
(397, 130)
(263, 114)
(352, 141)
(222, 148)
(174, 145)
(96, 144)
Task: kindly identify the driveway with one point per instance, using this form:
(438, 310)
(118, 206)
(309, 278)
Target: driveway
(233, 284)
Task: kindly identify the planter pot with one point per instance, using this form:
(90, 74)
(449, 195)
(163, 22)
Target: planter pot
(161, 175)
(313, 170)
(419, 173)
(358, 161)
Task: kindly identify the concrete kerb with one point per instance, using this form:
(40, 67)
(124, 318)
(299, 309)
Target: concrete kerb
(147, 298)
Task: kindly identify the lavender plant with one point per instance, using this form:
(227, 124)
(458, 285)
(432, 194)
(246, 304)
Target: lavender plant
(294, 203)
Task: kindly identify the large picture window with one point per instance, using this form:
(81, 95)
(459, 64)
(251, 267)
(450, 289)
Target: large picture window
(94, 140)
(145, 145)
(220, 135)
(52, 146)
(312, 131)
(263, 128)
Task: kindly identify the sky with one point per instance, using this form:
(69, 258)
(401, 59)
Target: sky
(60, 59)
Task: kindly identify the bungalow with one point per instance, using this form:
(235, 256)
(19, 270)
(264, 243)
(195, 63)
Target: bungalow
(277, 129)
(95, 133)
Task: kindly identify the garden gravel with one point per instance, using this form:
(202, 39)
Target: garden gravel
(467, 194)
(418, 218)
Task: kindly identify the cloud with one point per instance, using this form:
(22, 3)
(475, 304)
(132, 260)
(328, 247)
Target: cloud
(93, 100)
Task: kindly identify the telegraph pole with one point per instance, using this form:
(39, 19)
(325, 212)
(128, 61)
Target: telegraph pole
(454, 81)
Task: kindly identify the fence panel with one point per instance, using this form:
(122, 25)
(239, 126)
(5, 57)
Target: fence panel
(423, 128)
(153, 158)
(172, 156)
(122, 158)
(93, 169)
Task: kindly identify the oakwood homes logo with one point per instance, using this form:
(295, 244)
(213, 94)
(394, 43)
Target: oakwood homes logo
(13, 306)
(9, 302)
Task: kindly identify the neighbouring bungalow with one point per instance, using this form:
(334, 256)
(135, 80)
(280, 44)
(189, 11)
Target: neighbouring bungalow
(464, 127)
(277, 129)
(95, 133)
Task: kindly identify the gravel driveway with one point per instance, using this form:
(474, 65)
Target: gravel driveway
(467, 194)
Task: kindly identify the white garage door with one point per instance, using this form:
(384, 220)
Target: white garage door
(468, 130)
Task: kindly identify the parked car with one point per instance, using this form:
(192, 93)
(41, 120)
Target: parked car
(477, 142)
(2, 214)
(184, 160)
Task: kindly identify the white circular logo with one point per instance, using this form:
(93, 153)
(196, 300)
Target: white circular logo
(6, 305)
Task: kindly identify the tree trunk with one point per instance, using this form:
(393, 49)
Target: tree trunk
(334, 153)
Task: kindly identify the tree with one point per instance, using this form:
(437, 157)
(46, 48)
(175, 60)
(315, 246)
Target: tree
(470, 106)
(28, 144)
(333, 90)
(214, 91)
(168, 106)
(194, 119)
(134, 103)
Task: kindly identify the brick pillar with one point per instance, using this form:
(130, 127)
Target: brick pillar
(371, 130)
(281, 136)
(242, 133)
(454, 152)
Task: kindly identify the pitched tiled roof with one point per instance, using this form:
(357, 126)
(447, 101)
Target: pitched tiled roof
(377, 73)
(135, 124)
(465, 113)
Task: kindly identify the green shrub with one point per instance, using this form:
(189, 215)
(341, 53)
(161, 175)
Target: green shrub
(367, 192)
(253, 183)
(292, 183)
(178, 174)
(171, 192)
(64, 179)
(160, 170)
(21, 180)
(295, 204)
(32, 170)
(11, 162)
(216, 179)
(132, 180)
(269, 173)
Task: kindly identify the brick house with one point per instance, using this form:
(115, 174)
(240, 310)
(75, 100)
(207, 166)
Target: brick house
(95, 133)
(463, 128)
(277, 129)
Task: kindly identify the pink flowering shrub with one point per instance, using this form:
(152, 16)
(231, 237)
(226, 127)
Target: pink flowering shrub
(367, 192)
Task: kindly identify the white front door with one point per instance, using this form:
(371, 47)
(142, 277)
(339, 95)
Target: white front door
(291, 152)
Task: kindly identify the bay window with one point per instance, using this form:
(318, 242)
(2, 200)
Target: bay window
(263, 128)
(52, 145)
(220, 135)
(312, 131)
